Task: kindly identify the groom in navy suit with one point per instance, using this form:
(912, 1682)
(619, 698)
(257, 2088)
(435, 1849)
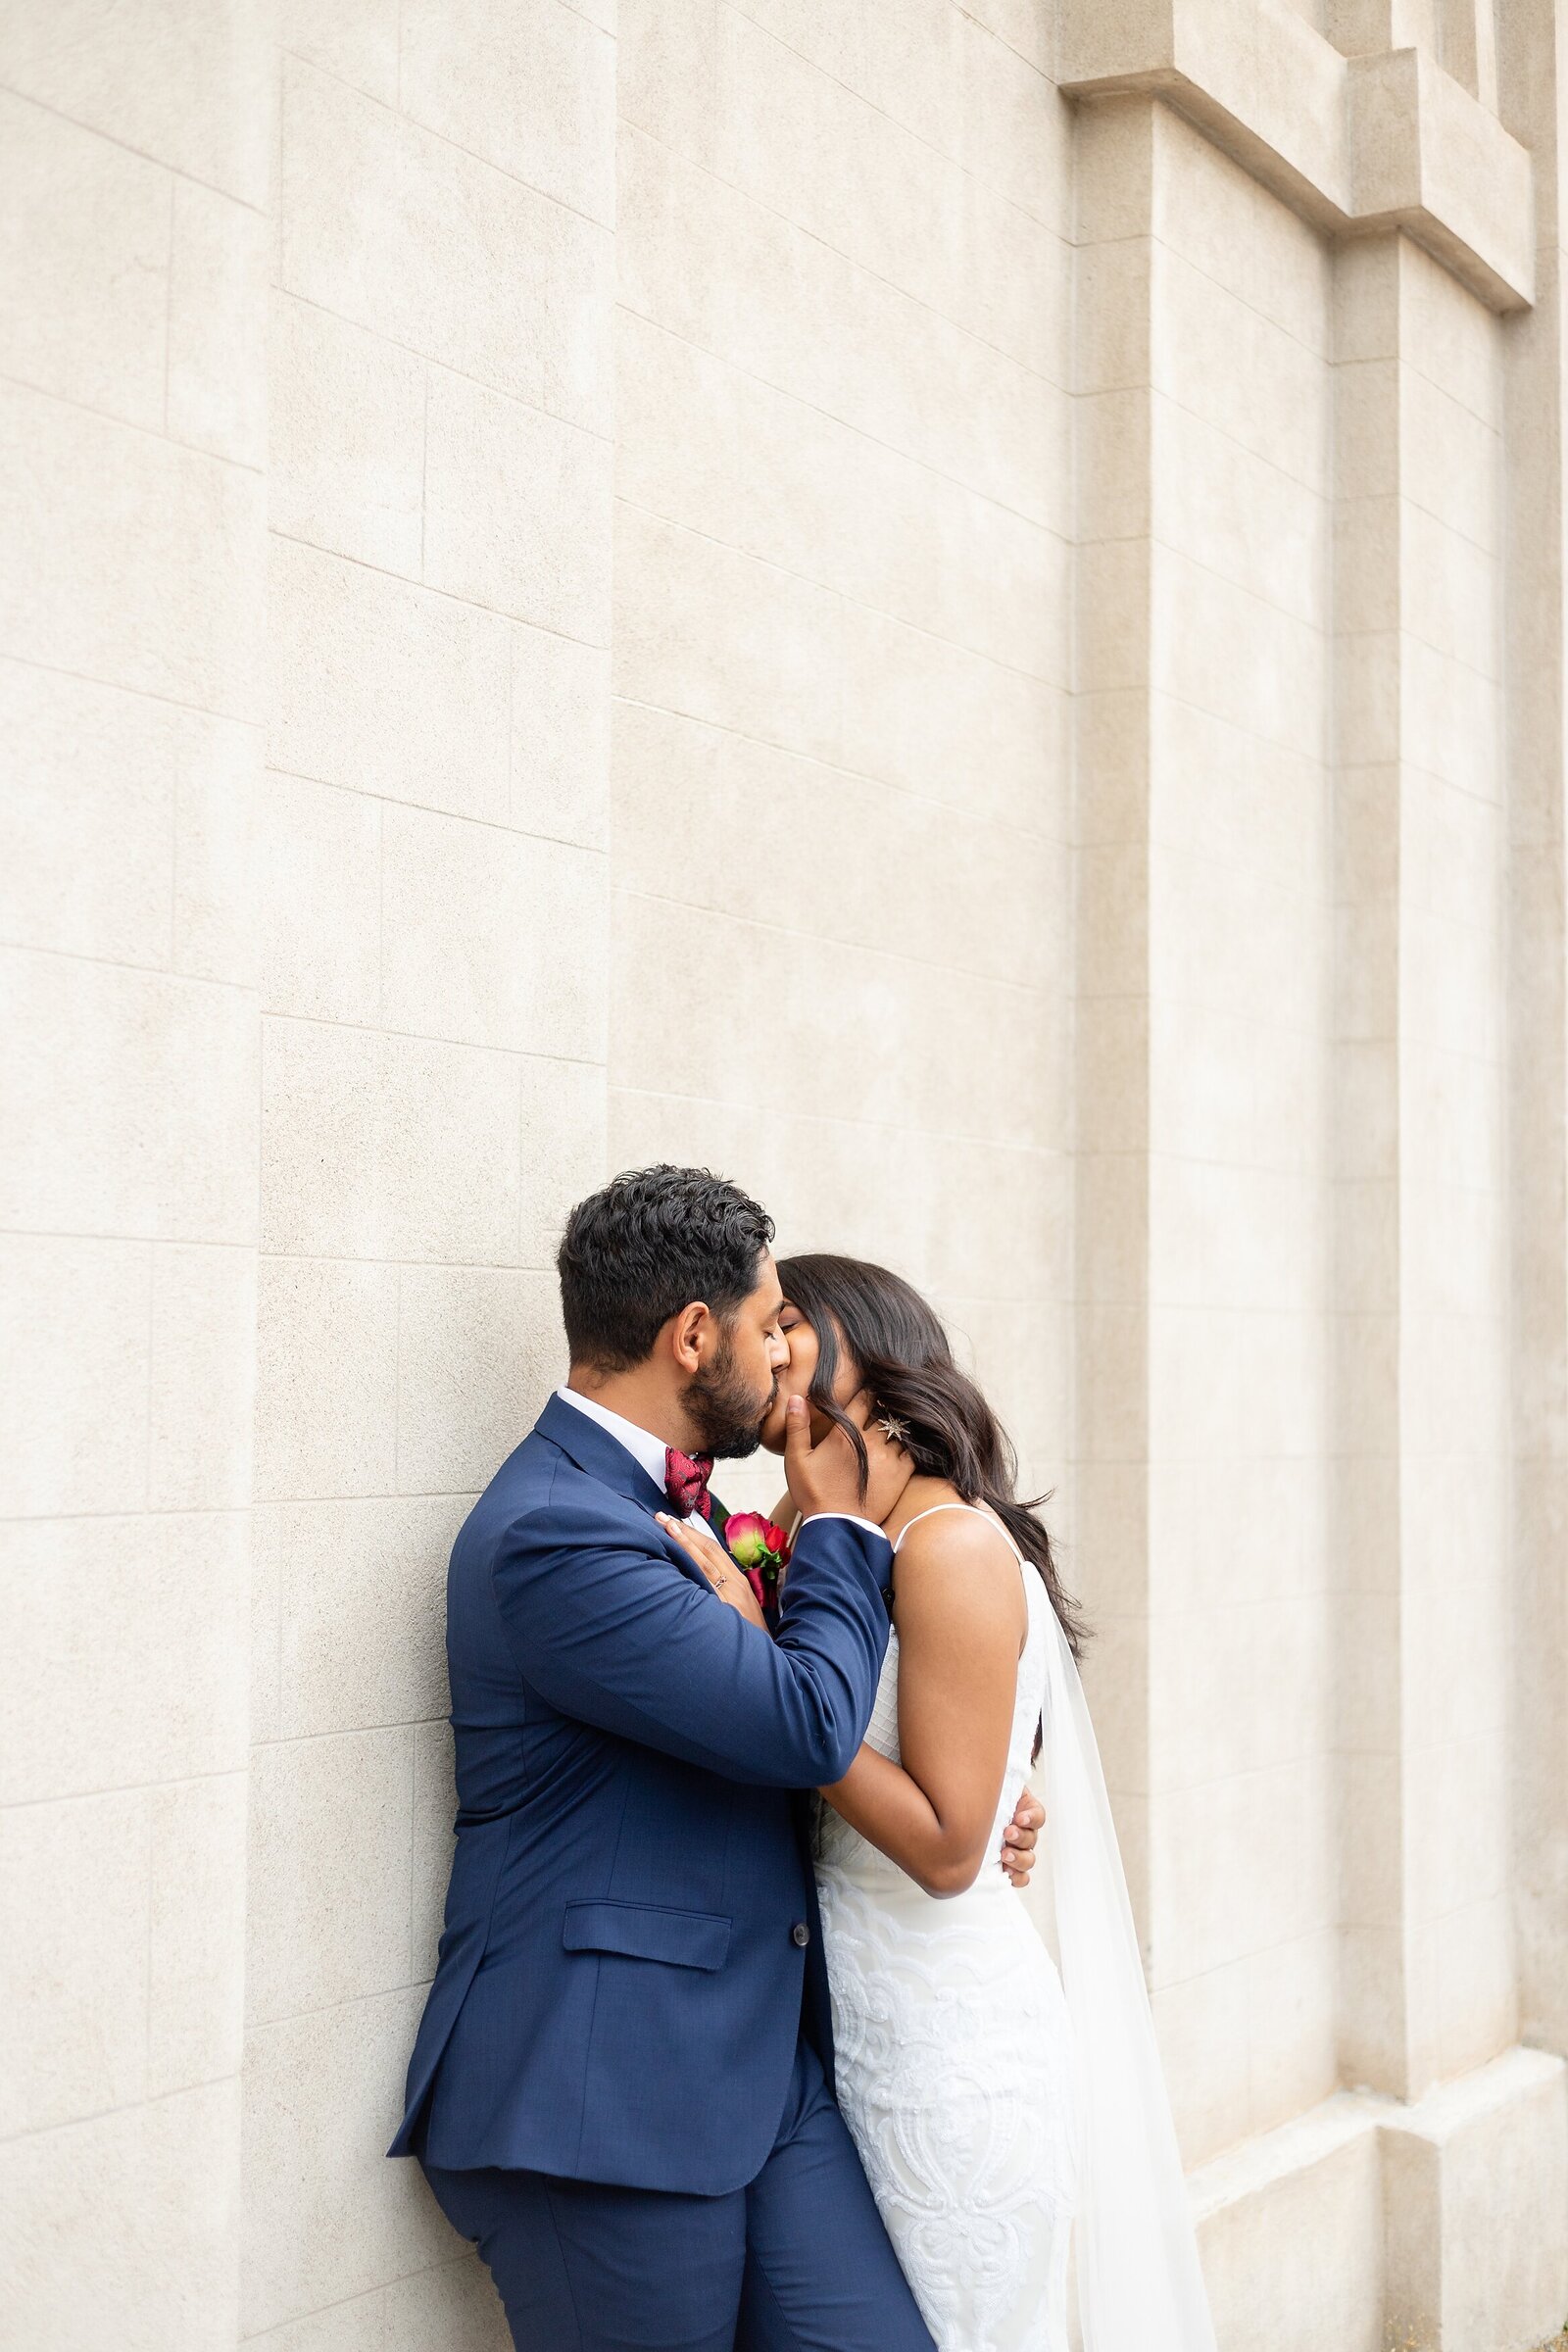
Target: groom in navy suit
(621, 2088)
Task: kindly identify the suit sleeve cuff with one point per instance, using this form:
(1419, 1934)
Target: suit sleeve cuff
(852, 1519)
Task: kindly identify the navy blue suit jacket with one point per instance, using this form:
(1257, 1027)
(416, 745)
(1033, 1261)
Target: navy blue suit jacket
(631, 1911)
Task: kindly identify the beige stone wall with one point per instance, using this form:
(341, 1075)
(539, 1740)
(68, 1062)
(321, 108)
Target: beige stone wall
(133, 177)
(433, 1028)
(841, 762)
(956, 608)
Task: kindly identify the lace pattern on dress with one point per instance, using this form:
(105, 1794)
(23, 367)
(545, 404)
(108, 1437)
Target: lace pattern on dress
(956, 2064)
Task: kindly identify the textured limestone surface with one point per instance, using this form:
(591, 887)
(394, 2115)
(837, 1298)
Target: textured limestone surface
(954, 607)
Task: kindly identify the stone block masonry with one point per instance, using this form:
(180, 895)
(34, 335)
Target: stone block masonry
(954, 607)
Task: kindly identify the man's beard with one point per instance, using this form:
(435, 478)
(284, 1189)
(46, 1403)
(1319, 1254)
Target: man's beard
(727, 1416)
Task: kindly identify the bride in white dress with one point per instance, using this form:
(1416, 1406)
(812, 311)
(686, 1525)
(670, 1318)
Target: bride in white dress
(1002, 2111)
(957, 2071)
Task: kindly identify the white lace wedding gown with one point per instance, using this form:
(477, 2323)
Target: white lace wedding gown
(956, 2067)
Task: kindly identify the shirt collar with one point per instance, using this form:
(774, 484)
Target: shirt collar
(647, 1451)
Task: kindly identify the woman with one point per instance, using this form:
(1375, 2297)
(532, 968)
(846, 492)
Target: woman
(989, 2107)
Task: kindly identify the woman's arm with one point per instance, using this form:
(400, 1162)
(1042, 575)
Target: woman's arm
(1017, 1854)
(961, 1620)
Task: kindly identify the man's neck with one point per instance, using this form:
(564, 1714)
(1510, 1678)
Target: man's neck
(643, 1403)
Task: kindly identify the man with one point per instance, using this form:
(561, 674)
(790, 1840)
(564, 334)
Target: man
(621, 2084)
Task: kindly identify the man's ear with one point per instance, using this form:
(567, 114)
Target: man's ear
(686, 1331)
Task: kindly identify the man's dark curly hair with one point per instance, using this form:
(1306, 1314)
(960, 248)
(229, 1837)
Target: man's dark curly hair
(651, 1242)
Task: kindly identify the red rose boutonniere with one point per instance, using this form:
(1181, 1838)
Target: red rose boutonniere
(761, 1548)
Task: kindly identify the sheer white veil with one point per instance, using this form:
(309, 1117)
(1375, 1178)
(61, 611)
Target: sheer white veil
(1140, 2288)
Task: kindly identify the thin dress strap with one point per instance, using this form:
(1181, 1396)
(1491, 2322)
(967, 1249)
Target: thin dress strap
(931, 1510)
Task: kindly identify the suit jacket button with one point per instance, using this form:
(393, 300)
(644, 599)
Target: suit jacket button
(800, 1934)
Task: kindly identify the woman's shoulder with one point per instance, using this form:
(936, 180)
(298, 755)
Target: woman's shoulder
(956, 1570)
(936, 1522)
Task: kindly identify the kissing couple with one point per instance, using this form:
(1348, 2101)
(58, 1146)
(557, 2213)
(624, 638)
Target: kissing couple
(739, 2035)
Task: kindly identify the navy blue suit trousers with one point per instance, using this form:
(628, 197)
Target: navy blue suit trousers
(797, 2261)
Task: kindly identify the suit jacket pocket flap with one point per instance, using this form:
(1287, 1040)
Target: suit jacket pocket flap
(644, 1931)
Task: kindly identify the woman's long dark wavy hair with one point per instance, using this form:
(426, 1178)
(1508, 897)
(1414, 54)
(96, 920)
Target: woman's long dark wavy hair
(907, 1366)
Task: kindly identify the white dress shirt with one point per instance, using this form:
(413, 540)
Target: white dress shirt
(648, 1451)
(644, 1448)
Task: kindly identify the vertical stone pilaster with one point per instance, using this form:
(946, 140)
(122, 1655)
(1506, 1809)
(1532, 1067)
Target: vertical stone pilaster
(1374, 1991)
(1202, 1087)
(1533, 361)
(1114, 681)
(1426, 1947)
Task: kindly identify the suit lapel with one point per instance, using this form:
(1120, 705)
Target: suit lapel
(592, 1447)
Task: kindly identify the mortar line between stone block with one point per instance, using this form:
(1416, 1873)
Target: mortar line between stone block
(386, 800)
(468, 604)
(146, 694)
(128, 147)
(800, 228)
(956, 163)
(423, 1036)
(1064, 547)
(366, 2295)
(379, 334)
(1027, 988)
(838, 767)
(152, 432)
(848, 424)
(486, 163)
(104, 2115)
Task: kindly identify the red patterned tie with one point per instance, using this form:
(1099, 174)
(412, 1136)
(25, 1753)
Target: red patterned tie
(686, 1477)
